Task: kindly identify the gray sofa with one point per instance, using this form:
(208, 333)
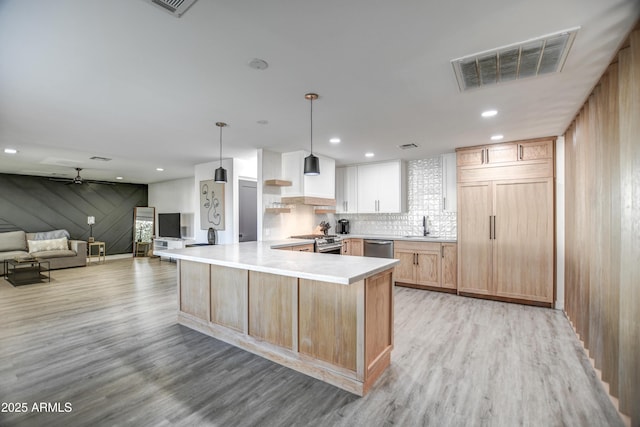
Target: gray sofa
(49, 246)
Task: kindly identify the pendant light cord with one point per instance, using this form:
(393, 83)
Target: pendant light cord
(220, 146)
(311, 125)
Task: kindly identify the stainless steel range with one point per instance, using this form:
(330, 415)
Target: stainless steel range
(326, 244)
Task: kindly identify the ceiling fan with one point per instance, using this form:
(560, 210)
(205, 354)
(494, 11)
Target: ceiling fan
(80, 180)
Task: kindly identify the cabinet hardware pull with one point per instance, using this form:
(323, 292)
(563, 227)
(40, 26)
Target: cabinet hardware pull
(444, 203)
(487, 155)
(490, 229)
(483, 156)
(442, 250)
(520, 151)
(417, 260)
(494, 227)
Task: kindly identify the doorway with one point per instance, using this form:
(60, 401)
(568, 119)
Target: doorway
(248, 211)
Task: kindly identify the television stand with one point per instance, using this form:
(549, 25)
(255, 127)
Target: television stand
(164, 243)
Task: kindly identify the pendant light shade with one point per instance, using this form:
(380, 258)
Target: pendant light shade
(221, 173)
(311, 162)
(311, 165)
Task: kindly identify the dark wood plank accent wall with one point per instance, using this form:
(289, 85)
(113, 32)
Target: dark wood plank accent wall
(34, 203)
(602, 237)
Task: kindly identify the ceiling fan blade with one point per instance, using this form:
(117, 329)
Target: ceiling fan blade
(93, 181)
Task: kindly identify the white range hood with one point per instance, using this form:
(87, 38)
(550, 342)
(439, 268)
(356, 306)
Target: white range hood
(317, 190)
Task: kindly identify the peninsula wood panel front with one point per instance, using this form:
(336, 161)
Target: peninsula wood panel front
(271, 310)
(378, 317)
(229, 297)
(194, 289)
(328, 322)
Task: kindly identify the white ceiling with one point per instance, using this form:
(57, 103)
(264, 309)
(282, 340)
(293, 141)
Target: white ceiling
(126, 80)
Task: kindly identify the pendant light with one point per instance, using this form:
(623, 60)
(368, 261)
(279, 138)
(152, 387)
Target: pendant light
(311, 162)
(221, 173)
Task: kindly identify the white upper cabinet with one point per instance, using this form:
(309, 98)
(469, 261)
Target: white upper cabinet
(347, 189)
(449, 180)
(381, 187)
(321, 186)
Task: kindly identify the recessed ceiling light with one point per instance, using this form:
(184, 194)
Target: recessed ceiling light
(10, 150)
(335, 140)
(159, 169)
(258, 64)
(119, 177)
(489, 113)
(369, 154)
(496, 137)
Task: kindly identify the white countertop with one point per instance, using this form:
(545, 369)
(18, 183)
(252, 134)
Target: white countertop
(404, 238)
(259, 256)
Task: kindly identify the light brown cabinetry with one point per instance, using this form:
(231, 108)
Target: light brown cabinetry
(307, 247)
(507, 153)
(341, 334)
(449, 253)
(506, 228)
(425, 264)
(352, 247)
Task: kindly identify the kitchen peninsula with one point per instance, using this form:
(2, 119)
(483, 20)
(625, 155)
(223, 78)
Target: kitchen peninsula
(327, 316)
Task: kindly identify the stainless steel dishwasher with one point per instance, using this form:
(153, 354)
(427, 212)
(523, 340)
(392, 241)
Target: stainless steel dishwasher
(378, 248)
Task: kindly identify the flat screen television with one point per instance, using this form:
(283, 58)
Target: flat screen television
(169, 225)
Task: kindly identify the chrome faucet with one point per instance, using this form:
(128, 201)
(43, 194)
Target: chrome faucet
(425, 225)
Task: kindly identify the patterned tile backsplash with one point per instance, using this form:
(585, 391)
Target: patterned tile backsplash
(424, 198)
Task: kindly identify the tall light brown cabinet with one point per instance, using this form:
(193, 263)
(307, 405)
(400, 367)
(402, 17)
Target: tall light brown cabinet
(506, 221)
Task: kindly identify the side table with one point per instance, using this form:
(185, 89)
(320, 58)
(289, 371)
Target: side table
(102, 251)
(141, 248)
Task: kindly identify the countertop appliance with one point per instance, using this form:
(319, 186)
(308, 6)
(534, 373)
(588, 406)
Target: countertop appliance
(325, 244)
(378, 248)
(342, 226)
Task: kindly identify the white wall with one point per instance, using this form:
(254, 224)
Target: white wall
(206, 171)
(182, 195)
(301, 219)
(175, 196)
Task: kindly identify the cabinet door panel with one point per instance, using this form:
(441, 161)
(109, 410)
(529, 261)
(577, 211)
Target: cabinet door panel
(341, 205)
(389, 187)
(404, 272)
(523, 245)
(367, 188)
(474, 244)
(470, 157)
(449, 265)
(356, 247)
(351, 189)
(535, 150)
(428, 268)
(502, 153)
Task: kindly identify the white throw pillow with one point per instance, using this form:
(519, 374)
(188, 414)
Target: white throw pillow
(48, 245)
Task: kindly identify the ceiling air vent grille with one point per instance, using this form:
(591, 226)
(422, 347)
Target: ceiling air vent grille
(175, 7)
(531, 58)
(407, 146)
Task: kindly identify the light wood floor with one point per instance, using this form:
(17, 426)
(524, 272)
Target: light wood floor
(104, 339)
